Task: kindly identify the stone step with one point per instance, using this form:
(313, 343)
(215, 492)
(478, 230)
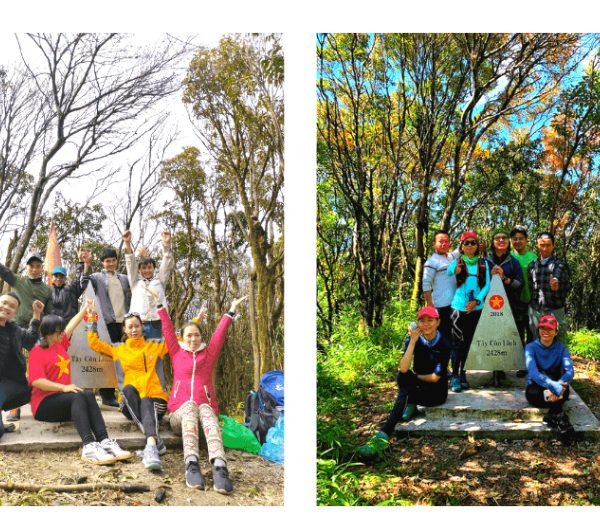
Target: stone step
(38, 435)
(501, 413)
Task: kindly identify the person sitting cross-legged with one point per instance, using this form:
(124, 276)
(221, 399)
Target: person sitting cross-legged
(54, 398)
(428, 351)
(550, 370)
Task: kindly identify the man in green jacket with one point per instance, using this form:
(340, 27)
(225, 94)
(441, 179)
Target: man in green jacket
(29, 288)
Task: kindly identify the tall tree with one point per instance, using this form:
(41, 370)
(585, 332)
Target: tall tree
(235, 92)
(80, 97)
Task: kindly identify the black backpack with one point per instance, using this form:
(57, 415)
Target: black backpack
(261, 413)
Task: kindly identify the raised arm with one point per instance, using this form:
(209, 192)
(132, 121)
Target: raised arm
(7, 275)
(218, 337)
(95, 343)
(76, 320)
(130, 261)
(168, 262)
(167, 325)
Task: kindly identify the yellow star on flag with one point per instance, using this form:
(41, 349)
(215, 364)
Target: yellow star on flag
(63, 365)
(496, 302)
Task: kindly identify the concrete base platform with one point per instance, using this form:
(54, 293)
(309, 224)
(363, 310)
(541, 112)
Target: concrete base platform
(37, 435)
(501, 413)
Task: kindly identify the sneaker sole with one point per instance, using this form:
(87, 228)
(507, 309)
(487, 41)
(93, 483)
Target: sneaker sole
(223, 491)
(195, 486)
(98, 462)
(125, 457)
(153, 466)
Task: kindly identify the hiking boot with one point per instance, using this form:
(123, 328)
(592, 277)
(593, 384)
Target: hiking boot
(375, 446)
(13, 415)
(160, 445)
(564, 429)
(110, 401)
(221, 482)
(455, 385)
(193, 475)
(550, 419)
(409, 412)
(94, 453)
(112, 447)
(151, 458)
(521, 373)
(464, 384)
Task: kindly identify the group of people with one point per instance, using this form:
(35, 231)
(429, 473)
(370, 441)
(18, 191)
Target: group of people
(455, 285)
(42, 318)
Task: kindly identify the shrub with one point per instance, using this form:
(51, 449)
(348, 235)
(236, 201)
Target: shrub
(585, 343)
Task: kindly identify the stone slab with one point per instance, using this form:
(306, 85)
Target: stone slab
(501, 413)
(37, 435)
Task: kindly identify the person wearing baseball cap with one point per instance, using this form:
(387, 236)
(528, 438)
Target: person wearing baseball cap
(550, 370)
(426, 384)
(65, 297)
(29, 288)
(472, 285)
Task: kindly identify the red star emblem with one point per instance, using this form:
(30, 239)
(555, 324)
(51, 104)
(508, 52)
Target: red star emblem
(496, 302)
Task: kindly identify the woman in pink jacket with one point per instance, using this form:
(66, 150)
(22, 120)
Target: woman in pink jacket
(192, 396)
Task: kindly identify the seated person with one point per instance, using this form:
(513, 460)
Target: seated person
(140, 374)
(427, 385)
(55, 399)
(14, 390)
(550, 370)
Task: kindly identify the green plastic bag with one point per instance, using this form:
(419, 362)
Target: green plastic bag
(236, 436)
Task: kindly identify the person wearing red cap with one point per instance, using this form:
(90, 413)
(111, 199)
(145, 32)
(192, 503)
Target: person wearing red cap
(427, 384)
(472, 285)
(550, 370)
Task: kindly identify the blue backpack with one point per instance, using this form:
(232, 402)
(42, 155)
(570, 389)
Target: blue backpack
(263, 407)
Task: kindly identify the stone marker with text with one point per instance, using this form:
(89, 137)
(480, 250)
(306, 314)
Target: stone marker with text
(88, 368)
(496, 343)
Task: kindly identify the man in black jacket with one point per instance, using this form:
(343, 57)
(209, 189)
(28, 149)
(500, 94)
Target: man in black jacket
(65, 297)
(14, 390)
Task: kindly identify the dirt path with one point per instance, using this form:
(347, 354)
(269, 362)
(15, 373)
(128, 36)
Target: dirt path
(256, 481)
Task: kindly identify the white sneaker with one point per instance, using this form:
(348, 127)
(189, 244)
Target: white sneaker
(112, 447)
(150, 458)
(95, 454)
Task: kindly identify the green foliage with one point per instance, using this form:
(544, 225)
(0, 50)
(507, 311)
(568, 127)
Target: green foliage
(585, 343)
(337, 485)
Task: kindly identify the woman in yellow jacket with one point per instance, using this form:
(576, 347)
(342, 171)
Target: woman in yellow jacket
(141, 380)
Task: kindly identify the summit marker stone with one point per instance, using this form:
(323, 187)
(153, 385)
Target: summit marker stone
(90, 369)
(496, 343)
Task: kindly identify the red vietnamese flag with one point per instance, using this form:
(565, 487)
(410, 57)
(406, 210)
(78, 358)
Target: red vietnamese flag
(52, 258)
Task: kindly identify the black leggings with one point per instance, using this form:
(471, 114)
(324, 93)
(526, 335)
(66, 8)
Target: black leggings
(146, 412)
(12, 395)
(411, 390)
(79, 407)
(463, 329)
(534, 394)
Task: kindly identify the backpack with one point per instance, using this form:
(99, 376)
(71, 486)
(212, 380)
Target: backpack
(263, 407)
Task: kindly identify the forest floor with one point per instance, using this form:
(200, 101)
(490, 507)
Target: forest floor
(257, 482)
(470, 471)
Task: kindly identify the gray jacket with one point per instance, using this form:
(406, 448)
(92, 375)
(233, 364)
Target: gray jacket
(100, 285)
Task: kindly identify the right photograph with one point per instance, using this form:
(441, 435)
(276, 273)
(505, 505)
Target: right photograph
(458, 269)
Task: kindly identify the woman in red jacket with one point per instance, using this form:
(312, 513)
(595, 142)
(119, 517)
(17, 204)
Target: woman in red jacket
(192, 396)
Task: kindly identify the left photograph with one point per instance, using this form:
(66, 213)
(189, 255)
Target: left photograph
(141, 269)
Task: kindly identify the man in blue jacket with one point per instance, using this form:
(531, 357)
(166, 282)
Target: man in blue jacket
(550, 370)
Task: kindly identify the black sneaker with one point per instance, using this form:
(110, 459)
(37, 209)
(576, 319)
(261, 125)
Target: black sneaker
(551, 419)
(193, 475)
(221, 482)
(110, 401)
(564, 429)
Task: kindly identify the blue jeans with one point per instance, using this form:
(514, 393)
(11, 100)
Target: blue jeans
(152, 330)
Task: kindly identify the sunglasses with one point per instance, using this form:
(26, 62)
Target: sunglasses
(501, 239)
(132, 315)
(470, 243)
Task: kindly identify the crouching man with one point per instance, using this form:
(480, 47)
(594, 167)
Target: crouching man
(14, 389)
(550, 370)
